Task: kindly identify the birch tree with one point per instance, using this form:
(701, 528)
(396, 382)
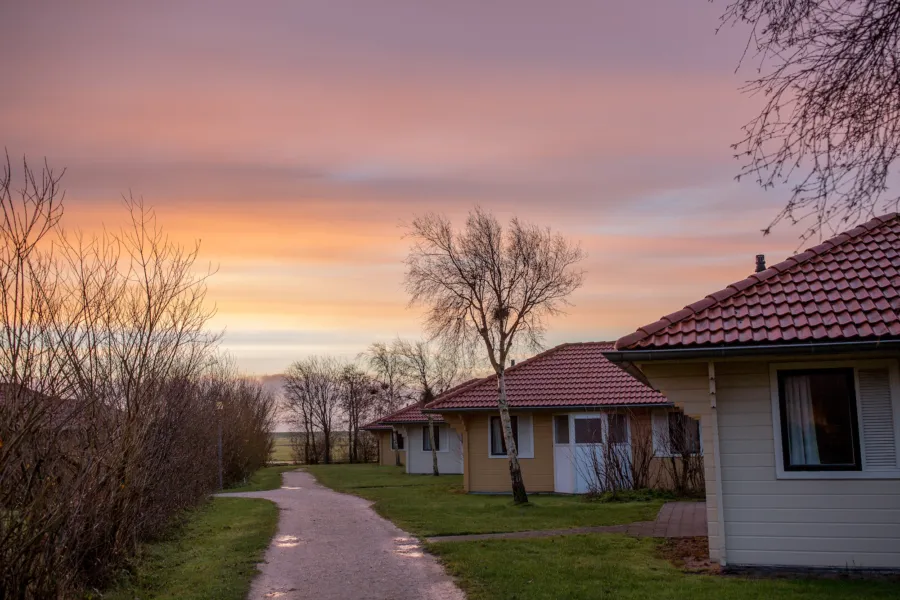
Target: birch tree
(491, 288)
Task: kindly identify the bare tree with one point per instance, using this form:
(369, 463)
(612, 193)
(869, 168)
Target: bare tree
(389, 370)
(433, 371)
(313, 397)
(356, 403)
(830, 126)
(490, 287)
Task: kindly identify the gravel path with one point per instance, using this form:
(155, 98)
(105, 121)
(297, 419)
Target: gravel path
(333, 546)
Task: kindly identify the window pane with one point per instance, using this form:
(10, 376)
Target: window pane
(618, 429)
(399, 441)
(684, 434)
(589, 431)
(818, 412)
(498, 444)
(561, 426)
(426, 439)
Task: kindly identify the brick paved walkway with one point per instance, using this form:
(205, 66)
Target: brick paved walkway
(675, 519)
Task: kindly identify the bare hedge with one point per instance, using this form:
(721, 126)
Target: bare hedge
(111, 392)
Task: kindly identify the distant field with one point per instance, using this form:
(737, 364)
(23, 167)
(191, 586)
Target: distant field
(282, 451)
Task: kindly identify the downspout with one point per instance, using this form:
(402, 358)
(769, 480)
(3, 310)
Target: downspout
(720, 500)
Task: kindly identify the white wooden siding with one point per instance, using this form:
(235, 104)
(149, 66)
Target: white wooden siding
(450, 456)
(795, 522)
(770, 521)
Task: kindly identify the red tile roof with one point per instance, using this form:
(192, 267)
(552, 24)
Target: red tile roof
(567, 376)
(845, 289)
(412, 413)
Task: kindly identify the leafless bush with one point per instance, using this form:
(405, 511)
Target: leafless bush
(108, 392)
(619, 461)
(682, 466)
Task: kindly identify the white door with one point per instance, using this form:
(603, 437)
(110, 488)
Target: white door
(580, 451)
(587, 434)
(563, 456)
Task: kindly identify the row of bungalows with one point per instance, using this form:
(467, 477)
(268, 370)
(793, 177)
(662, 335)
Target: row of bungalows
(571, 410)
(786, 382)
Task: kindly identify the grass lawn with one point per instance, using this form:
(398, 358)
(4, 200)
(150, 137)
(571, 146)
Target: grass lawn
(428, 505)
(212, 557)
(582, 567)
(267, 478)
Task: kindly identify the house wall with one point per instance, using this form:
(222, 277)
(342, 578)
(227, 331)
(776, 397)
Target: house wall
(450, 455)
(487, 474)
(385, 454)
(770, 521)
(491, 474)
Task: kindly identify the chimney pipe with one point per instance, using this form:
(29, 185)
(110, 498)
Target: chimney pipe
(760, 262)
(512, 362)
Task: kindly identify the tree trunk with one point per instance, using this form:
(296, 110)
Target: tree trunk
(515, 471)
(434, 462)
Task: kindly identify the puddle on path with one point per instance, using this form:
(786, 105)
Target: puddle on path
(291, 487)
(407, 546)
(287, 541)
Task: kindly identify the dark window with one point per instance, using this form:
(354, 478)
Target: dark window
(498, 443)
(561, 426)
(819, 429)
(397, 439)
(426, 439)
(618, 429)
(589, 431)
(684, 434)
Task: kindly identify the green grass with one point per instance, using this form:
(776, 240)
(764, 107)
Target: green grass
(267, 478)
(428, 506)
(213, 556)
(582, 567)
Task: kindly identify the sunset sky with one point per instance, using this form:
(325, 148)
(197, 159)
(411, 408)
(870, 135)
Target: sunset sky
(295, 138)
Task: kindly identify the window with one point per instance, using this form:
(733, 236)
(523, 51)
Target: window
(561, 428)
(589, 431)
(498, 444)
(396, 441)
(819, 428)
(683, 434)
(618, 429)
(426, 439)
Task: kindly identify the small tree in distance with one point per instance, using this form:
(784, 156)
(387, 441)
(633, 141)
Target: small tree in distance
(490, 287)
(433, 374)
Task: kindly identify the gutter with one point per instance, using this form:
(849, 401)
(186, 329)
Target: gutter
(624, 356)
(585, 407)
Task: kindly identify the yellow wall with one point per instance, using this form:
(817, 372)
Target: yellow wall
(385, 454)
(486, 474)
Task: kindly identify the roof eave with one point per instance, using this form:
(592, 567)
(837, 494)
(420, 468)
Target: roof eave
(552, 407)
(623, 357)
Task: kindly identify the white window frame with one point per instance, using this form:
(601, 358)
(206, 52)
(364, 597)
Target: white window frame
(856, 365)
(526, 426)
(659, 420)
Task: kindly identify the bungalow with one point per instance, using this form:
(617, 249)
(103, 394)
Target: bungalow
(407, 430)
(569, 406)
(793, 373)
(391, 445)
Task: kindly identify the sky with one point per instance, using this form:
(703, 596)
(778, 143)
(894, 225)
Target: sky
(294, 139)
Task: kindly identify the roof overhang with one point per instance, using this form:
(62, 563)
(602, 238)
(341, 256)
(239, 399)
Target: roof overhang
(584, 407)
(626, 357)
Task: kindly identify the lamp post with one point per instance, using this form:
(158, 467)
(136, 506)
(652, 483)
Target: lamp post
(219, 412)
